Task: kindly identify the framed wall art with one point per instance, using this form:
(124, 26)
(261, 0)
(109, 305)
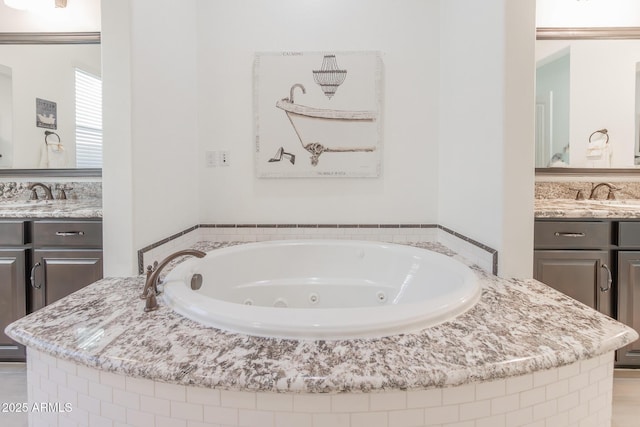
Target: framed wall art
(318, 114)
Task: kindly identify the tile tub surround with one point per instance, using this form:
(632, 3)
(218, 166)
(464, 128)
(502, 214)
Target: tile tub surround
(578, 394)
(470, 249)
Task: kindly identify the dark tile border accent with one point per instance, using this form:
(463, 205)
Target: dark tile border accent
(484, 247)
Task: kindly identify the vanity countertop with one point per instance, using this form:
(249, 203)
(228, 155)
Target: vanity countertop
(34, 209)
(518, 327)
(566, 208)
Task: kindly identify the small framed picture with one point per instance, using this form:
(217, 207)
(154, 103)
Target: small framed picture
(46, 114)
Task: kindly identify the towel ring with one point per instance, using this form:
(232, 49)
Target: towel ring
(48, 133)
(602, 131)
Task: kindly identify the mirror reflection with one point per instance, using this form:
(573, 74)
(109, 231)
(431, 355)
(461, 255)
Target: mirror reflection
(50, 105)
(587, 103)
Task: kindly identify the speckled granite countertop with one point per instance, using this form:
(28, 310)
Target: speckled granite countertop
(519, 326)
(88, 208)
(566, 208)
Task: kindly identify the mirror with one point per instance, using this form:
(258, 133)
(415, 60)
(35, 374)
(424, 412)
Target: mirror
(40, 76)
(587, 99)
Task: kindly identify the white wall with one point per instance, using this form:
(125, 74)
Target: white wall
(602, 94)
(587, 13)
(150, 154)
(458, 118)
(229, 33)
(46, 72)
(79, 15)
(486, 126)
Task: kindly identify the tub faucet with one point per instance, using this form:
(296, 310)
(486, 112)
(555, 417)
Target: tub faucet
(47, 191)
(150, 290)
(610, 195)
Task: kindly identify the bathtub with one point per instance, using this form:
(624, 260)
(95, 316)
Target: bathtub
(321, 289)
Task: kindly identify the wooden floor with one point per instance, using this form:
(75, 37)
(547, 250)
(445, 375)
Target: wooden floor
(626, 395)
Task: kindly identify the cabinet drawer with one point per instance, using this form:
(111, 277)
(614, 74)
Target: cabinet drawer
(12, 233)
(77, 234)
(629, 234)
(572, 235)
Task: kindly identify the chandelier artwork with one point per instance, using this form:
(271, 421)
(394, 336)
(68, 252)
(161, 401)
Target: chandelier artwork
(329, 76)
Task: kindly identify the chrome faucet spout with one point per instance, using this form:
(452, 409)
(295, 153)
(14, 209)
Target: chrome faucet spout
(153, 274)
(47, 191)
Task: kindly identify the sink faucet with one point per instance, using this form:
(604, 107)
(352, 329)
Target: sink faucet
(46, 188)
(610, 195)
(153, 274)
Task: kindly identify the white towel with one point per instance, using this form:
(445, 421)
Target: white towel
(53, 155)
(596, 149)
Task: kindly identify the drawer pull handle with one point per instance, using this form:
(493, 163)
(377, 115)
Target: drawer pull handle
(69, 233)
(609, 279)
(33, 276)
(561, 234)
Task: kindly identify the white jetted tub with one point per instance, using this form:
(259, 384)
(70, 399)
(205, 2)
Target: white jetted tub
(321, 289)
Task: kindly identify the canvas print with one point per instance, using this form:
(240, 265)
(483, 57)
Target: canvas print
(46, 114)
(318, 114)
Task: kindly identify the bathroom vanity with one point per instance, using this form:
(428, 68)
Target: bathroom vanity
(48, 250)
(590, 250)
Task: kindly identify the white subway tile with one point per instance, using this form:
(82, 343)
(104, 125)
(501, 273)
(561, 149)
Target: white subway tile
(49, 387)
(274, 401)
(474, 410)
(369, 419)
(578, 413)
(112, 380)
(491, 389)
(96, 420)
(545, 410)
(311, 403)
(169, 422)
(90, 404)
(222, 416)
(139, 419)
(349, 403)
(406, 418)
(331, 420)
(588, 393)
(101, 392)
(532, 397)
(187, 411)
(494, 421)
(545, 377)
(424, 398)
(387, 401)
(67, 395)
(206, 396)
(291, 419)
(139, 386)
(89, 374)
(520, 417)
(79, 415)
(115, 412)
(568, 371)
(502, 405)
(253, 418)
(460, 394)
(155, 406)
(236, 399)
(126, 399)
(520, 383)
(578, 382)
(170, 391)
(441, 415)
(57, 375)
(569, 401)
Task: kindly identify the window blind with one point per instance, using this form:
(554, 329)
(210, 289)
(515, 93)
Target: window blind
(88, 120)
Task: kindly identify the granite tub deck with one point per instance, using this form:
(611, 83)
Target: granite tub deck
(525, 355)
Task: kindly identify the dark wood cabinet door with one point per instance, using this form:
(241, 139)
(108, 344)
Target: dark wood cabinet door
(582, 275)
(12, 300)
(58, 273)
(629, 303)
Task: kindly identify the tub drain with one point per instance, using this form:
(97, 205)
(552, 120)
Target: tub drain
(248, 301)
(313, 298)
(381, 296)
